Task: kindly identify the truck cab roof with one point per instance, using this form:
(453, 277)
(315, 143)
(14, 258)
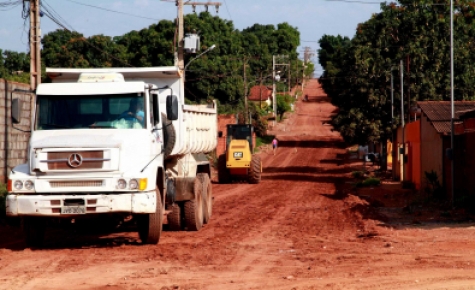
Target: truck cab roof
(71, 75)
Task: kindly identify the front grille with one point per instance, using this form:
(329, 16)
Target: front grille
(75, 160)
(78, 183)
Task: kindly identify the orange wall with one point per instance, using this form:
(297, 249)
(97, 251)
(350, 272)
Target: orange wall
(413, 143)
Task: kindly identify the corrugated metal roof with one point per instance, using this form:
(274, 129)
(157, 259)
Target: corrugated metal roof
(439, 112)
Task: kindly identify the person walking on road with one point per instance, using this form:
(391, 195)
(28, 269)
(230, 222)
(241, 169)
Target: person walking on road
(274, 145)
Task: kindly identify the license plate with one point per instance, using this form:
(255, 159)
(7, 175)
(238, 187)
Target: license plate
(73, 210)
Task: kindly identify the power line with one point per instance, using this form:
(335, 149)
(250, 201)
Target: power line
(379, 3)
(227, 9)
(47, 7)
(48, 14)
(114, 11)
(355, 1)
(4, 6)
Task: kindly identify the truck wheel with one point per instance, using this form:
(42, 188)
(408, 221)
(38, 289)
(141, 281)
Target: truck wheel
(194, 208)
(174, 218)
(207, 197)
(169, 135)
(255, 170)
(150, 225)
(34, 229)
(223, 172)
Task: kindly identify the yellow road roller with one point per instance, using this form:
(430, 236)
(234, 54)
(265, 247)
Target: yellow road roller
(238, 162)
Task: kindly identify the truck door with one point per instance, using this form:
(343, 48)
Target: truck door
(154, 121)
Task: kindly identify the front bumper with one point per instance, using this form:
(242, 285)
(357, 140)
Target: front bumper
(50, 205)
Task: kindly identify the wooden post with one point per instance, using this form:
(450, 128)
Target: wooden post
(35, 44)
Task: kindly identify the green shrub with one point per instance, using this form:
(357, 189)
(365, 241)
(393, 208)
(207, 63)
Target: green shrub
(357, 174)
(371, 181)
(264, 140)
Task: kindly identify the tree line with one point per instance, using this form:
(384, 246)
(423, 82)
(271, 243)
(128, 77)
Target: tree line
(219, 74)
(357, 71)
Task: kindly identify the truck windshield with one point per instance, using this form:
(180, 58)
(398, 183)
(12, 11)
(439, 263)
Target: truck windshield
(122, 111)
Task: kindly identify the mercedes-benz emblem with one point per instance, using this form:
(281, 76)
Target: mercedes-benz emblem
(75, 160)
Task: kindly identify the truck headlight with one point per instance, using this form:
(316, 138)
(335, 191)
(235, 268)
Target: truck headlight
(133, 184)
(29, 185)
(18, 185)
(121, 184)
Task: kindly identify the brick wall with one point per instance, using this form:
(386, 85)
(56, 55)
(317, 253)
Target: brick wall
(223, 120)
(14, 138)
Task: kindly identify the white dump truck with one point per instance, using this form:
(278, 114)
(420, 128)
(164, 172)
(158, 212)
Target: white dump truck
(115, 141)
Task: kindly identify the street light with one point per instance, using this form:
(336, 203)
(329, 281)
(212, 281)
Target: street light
(199, 55)
(275, 78)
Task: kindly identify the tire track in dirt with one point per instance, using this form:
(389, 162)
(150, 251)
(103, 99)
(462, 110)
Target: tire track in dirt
(293, 230)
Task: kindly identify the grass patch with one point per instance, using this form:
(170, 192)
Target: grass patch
(371, 181)
(264, 140)
(357, 174)
(368, 182)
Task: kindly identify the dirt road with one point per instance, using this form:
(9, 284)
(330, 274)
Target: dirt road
(297, 229)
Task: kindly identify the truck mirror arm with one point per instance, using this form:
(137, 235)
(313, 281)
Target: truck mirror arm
(152, 160)
(163, 88)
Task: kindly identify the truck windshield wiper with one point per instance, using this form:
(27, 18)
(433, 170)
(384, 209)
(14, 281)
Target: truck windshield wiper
(101, 127)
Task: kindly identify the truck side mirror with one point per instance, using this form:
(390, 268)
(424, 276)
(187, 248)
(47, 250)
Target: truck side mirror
(172, 107)
(16, 111)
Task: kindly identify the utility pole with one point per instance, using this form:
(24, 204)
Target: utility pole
(275, 58)
(290, 76)
(35, 44)
(307, 54)
(181, 57)
(246, 108)
(392, 97)
(179, 3)
(401, 69)
(274, 98)
(452, 106)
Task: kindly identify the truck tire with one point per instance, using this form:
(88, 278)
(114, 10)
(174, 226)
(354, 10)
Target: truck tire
(207, 197)
(255, 170)
(34, 229)
(150, 225)
(175, 218)
(223, 172)
(169, 134)
(194, 208)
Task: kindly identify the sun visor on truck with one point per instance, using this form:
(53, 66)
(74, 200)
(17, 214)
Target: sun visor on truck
(172, 107)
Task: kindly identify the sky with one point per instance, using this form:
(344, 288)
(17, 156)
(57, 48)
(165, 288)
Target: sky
(313, 18)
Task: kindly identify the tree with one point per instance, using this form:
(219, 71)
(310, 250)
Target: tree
(283, 105)
(63, 48)
(357, 71)
(14, 66)
(217, 74)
